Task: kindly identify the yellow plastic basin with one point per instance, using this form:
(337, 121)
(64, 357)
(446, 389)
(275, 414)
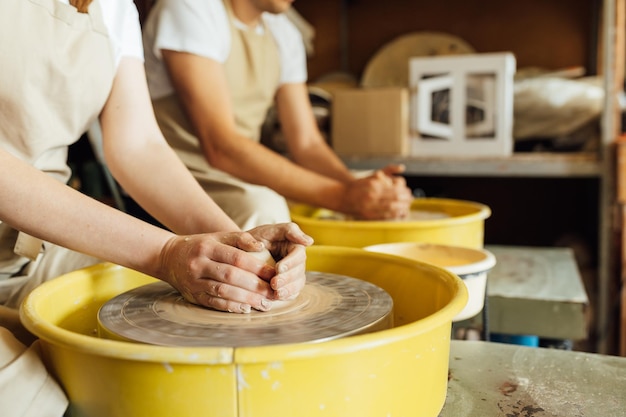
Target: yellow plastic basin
(451, 222)
(400, 371)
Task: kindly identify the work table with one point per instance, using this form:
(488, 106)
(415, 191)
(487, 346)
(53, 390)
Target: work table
(494, 379)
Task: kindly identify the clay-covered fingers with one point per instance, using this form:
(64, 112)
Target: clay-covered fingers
(394, 197)
(403, 198)
(281, 238)
(278, 237)
(287, 243)
(291, 276)
(231, 296)
(227, 287)
(393, 186)
(393, 169)
(217, 275)
(379, 197)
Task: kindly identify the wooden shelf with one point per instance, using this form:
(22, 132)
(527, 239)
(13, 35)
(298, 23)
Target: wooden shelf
(552, 35)
(531, 164)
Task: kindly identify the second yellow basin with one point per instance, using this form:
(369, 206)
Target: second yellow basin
(437, 220)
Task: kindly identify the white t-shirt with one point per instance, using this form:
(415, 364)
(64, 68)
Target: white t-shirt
(201, 27)
(122, 21)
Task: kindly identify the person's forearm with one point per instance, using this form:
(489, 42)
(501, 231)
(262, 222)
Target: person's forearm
(307, 146)
(323, 160)
(146, 167)
(39, 205)
(162, 185)
(256, 164)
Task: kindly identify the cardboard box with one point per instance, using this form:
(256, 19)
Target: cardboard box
(370, 122)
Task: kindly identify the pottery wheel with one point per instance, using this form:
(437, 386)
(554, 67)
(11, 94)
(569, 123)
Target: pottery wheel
(329, 306)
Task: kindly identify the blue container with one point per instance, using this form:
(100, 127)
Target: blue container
(513, 339)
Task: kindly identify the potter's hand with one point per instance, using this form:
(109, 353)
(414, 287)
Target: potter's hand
(286, 242)
(214, 270)
(383, 195)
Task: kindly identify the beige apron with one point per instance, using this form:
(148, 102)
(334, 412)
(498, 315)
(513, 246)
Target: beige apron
(46, 106)
(26, 388)
(57, 75)
(252, 70)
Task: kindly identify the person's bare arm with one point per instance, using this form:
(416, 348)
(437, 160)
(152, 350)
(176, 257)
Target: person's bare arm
(145, 165)
(203, 91)
(37, 204)
(208, 269)
(205, 268)
(382, 195)
(305, 143)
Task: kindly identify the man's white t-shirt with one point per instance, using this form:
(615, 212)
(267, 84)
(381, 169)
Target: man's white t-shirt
(122, 22)
(201, 27)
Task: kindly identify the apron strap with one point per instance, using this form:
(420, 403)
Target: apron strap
(27, 246)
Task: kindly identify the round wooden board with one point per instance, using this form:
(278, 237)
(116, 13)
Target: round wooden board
(389, 67)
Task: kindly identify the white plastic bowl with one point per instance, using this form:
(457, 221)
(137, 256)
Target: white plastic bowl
(471, 265)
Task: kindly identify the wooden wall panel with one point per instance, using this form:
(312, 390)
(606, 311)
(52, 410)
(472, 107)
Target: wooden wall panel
(621, 319)
(551, 34)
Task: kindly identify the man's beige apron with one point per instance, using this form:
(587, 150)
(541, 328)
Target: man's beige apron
(253, 71)
(56, 76)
